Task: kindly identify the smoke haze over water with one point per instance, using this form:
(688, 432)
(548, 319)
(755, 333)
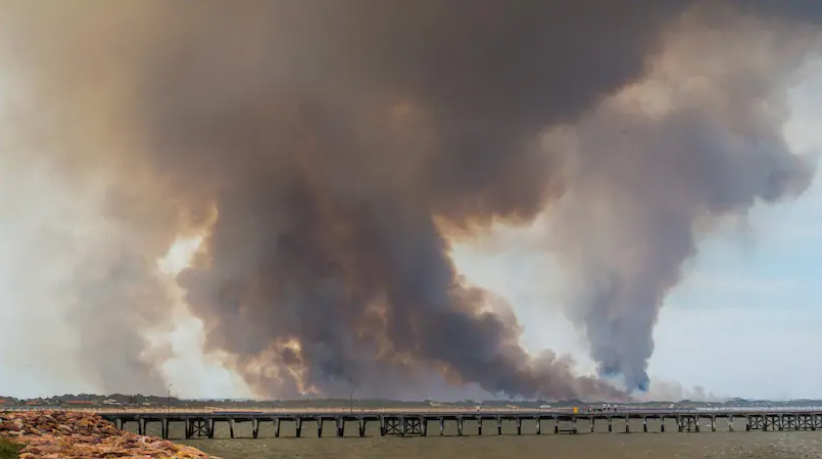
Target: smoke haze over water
(331, 151)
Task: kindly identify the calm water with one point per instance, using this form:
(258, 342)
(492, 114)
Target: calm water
(671, 444)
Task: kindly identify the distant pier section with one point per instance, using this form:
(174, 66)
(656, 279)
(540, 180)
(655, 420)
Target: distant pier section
(361, 423)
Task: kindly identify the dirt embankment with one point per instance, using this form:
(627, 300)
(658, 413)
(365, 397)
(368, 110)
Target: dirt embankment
(72, 435)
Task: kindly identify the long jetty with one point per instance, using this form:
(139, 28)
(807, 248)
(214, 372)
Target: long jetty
(405, 423)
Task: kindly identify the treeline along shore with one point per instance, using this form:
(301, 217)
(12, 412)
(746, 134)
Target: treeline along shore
(97, 401)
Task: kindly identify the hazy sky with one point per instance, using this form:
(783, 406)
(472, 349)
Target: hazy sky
(744, 322)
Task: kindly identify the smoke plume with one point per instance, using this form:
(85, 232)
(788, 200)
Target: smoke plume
(337, 146)
(697, 138)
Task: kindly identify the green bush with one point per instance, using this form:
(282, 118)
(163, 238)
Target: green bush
(9, 449)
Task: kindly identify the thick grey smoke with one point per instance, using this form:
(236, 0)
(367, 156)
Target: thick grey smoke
(698, 138)
(329, 158)
(338, 140)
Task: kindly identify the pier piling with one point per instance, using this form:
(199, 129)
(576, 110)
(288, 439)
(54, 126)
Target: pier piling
(202, 424)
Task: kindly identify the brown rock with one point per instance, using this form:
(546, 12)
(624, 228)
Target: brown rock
(68, 435)
(12, 426)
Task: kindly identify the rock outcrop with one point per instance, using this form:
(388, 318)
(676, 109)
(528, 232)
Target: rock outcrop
(73, 435)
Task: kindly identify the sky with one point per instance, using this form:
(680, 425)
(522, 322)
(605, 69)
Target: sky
(743, 322)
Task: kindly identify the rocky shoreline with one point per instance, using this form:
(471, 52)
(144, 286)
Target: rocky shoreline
(73, 435)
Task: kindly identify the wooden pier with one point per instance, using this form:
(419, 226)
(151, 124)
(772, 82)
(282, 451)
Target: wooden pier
(409, 424)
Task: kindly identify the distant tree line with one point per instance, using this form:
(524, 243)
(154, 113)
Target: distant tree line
(155, 400)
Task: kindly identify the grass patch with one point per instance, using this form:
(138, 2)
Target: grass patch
(9, 449)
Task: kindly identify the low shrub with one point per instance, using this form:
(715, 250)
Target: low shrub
(9, 449)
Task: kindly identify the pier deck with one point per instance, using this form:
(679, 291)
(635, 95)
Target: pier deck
(203, 424)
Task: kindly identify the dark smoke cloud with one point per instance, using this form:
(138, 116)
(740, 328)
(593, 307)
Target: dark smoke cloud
(698, 139)
(337, 141)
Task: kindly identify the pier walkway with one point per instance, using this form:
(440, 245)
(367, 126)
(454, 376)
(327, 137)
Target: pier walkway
(203, 424)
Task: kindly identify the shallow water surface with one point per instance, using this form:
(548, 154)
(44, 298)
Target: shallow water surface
(599, 445)
(794, 445)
